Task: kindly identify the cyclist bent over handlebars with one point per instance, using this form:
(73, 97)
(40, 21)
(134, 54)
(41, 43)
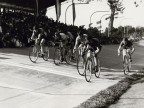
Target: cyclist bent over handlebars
(126, 45)
(94, 45)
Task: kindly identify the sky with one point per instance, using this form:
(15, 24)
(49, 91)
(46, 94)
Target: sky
(132, 15)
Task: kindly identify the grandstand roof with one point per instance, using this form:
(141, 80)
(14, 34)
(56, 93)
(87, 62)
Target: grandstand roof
(29, 5)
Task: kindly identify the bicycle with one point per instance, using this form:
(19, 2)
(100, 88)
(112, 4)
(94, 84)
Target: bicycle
(126, 61)
(90, 67)
(35, 53)
(59, 53)
(71, 57)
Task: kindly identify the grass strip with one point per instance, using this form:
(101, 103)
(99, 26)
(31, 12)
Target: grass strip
(110, 95)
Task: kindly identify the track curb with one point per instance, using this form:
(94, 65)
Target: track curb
(110, 95)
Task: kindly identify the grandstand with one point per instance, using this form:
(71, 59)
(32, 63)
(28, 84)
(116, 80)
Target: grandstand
(28, 5)
(17, 19)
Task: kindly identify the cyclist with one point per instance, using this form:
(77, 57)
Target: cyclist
(40, 38)
(80, 43)
(34, 32)
(128, 46)
(65, 39)
(94, 45)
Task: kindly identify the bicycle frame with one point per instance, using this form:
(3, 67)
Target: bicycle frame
(81, 59)
(64, 50)
(90, 66)
(126, 61)
(35, 52)
(91, 54)
(125, 53)
(81, 49)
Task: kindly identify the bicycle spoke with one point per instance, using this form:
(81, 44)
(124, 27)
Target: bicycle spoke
(57, 56)
(80, 65)
(88, 70)
(126, 65)
(33, 53)
(46, 53)
(97, 73)
(68, 56)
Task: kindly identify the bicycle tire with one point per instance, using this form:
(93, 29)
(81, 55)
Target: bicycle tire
(125, 65)
(68, 56)
(46, 53)
(88, 69)
(97, 74)
(75, 55)
(57, 56)
(33, 53)
(80, 65)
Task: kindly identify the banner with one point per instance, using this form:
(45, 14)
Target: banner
(58, 9)
(74, 12)
(99, 27)
(98, 22)
(83, 1)
(36, 8)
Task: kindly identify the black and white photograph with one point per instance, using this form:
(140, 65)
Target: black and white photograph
(71, 54)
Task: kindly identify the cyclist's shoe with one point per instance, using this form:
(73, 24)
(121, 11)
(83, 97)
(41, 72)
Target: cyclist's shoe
(62, 59)
(42, 55)
(83, 54)
(93, 70)
(96, 68)
(130, 60)
(72, 57)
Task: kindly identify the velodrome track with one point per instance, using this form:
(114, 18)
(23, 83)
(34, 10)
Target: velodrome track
(24, 84)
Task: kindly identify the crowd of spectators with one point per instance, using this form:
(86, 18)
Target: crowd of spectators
(16, 28)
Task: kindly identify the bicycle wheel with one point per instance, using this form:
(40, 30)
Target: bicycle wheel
(80, 65)
(75, 55)
(88, 69)
(46, 53)
(126, 65)
(57, 56)
(97, 73)
(33, 53)
(129, 64)
(68, 56)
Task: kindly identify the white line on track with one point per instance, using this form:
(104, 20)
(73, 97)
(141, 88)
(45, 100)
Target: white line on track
(47, 70)
(50, 70)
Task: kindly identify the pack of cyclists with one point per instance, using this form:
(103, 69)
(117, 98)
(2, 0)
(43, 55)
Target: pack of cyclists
(82, 41)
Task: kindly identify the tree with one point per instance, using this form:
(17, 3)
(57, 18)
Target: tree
(93, 32)
(115, 6)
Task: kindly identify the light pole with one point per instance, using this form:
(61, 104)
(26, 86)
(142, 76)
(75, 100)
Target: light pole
(124, 27)
(71, 5)
(94, 13)
(100, 23)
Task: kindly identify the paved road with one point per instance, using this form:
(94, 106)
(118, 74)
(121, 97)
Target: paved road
(24, 84)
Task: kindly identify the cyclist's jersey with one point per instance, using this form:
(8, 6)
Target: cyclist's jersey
(80, 40)
(34, 32)
(70, 36)
(94, 43)
(127, 45)
(34, 35)
(43, 36)
(64, 37)
(59, 36)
